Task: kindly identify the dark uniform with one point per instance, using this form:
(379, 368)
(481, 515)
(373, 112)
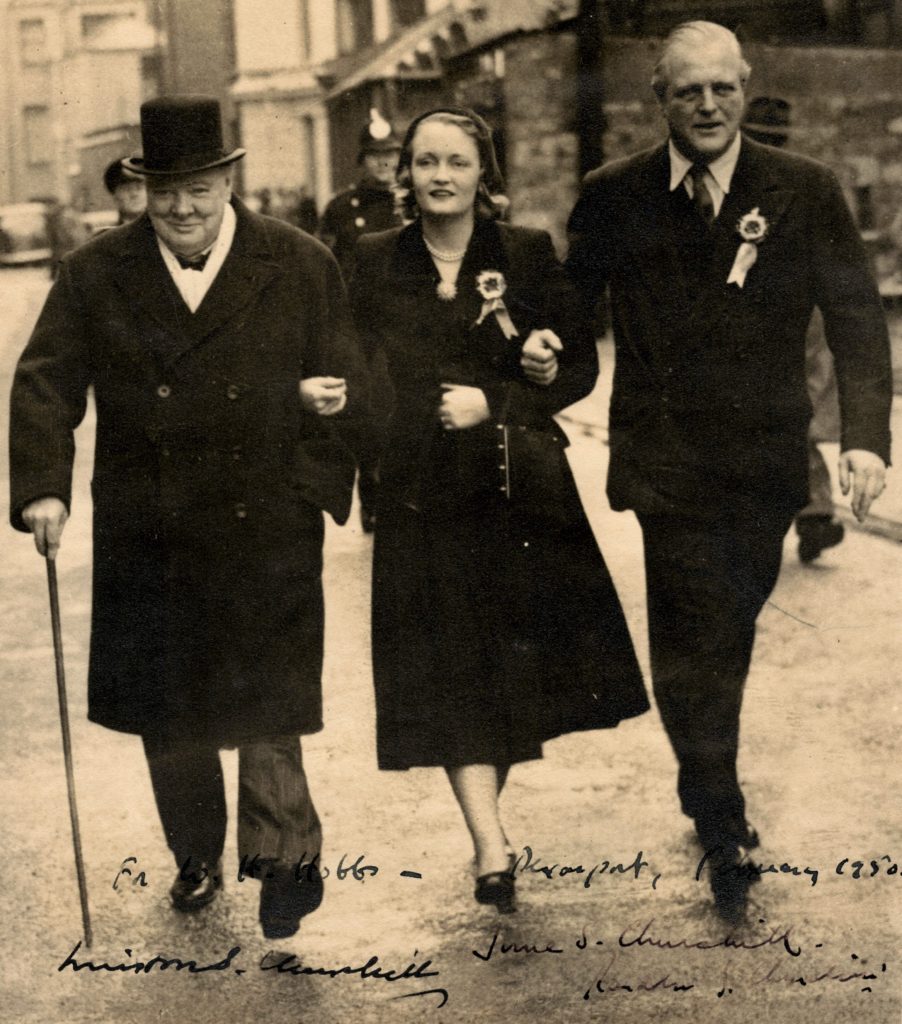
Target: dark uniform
(366, 206)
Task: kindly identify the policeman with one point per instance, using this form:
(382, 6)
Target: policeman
(370, 205)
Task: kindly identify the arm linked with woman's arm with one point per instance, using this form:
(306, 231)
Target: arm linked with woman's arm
(561, 312)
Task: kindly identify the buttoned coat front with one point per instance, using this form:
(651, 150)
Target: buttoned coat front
(710, 409)
(209, 477)
(496, 625)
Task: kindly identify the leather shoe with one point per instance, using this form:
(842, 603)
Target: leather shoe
(497, 889)
(815, 534)
(285, 899)
(195, 888)
(731, 875)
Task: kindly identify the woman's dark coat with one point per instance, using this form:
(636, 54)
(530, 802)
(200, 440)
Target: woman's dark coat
(209, 478)
(495, 622)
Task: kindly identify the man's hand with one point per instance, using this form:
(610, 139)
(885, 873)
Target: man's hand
(324, 396)
(462, 407)
(46, 517)
(538, 356)
(865, 472)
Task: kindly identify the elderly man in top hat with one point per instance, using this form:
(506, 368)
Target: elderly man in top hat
(367, 206)
(716, 250)
(229, 394)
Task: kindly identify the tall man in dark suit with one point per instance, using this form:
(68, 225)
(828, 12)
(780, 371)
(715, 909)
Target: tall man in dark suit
(716, 249)
(228, 389)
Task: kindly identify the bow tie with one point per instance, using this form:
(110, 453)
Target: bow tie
(194, 263)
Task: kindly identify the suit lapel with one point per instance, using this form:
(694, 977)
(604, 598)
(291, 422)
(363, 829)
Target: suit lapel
(658, 231)
(753, 186)
(151, 292)
(171, 328)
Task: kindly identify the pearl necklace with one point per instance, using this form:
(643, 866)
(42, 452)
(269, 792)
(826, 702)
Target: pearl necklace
(444, 257)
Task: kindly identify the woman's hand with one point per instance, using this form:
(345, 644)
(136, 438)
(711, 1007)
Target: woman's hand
(324, 396)
(538, 356)
(462, 407)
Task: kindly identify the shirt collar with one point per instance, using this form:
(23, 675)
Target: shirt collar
(721, 169)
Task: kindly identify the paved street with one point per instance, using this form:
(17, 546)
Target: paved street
(819, 745)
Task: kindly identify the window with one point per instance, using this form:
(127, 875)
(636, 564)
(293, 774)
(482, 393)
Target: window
(38, 135)
(33, 41)
(94, 25)
(407, 12)
(355, 25)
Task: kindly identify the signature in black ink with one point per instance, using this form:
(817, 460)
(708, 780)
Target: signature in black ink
(513, 947)
(747, 868)
(529, 862)
(255, 866)
(414, 971)
(604, 984)
(646, 937)
(155, 963)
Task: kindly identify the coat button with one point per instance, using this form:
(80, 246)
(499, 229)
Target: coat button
(164, 452)
(236, 453)
(240, 511)
(233, 391)
(359, 222)
(164, 391)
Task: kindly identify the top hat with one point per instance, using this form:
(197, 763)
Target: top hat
(181, 134)
(767, 119)
(377, 136)
(116, 175)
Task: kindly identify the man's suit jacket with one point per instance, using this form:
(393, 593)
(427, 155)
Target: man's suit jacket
(709, 408)
(209, 476)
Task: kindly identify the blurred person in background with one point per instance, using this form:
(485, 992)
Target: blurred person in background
(128, 191)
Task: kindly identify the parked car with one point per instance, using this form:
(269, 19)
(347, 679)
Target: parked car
(24, 235)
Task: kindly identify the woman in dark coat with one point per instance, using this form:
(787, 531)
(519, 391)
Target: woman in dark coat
(495, 623)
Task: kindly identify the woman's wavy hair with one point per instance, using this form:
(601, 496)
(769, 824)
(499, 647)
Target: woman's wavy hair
(490, 199)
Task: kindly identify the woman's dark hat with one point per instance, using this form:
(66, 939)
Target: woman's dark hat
(116, 175)
(180, 135)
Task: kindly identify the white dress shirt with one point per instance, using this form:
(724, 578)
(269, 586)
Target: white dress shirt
(718, 174)
(193, 285)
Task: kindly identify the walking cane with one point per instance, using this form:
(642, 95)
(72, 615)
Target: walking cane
(67, 748)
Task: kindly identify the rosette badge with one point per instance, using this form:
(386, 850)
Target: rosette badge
(491, 286)
(752, 228)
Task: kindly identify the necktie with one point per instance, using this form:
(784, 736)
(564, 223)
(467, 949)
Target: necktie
(701, 197)
(194, 263)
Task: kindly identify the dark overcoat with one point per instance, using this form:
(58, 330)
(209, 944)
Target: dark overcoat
(209, 477)
(496, 625)
(709, 410)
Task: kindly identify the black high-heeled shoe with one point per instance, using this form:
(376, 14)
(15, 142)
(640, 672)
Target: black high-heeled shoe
(497, 888)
